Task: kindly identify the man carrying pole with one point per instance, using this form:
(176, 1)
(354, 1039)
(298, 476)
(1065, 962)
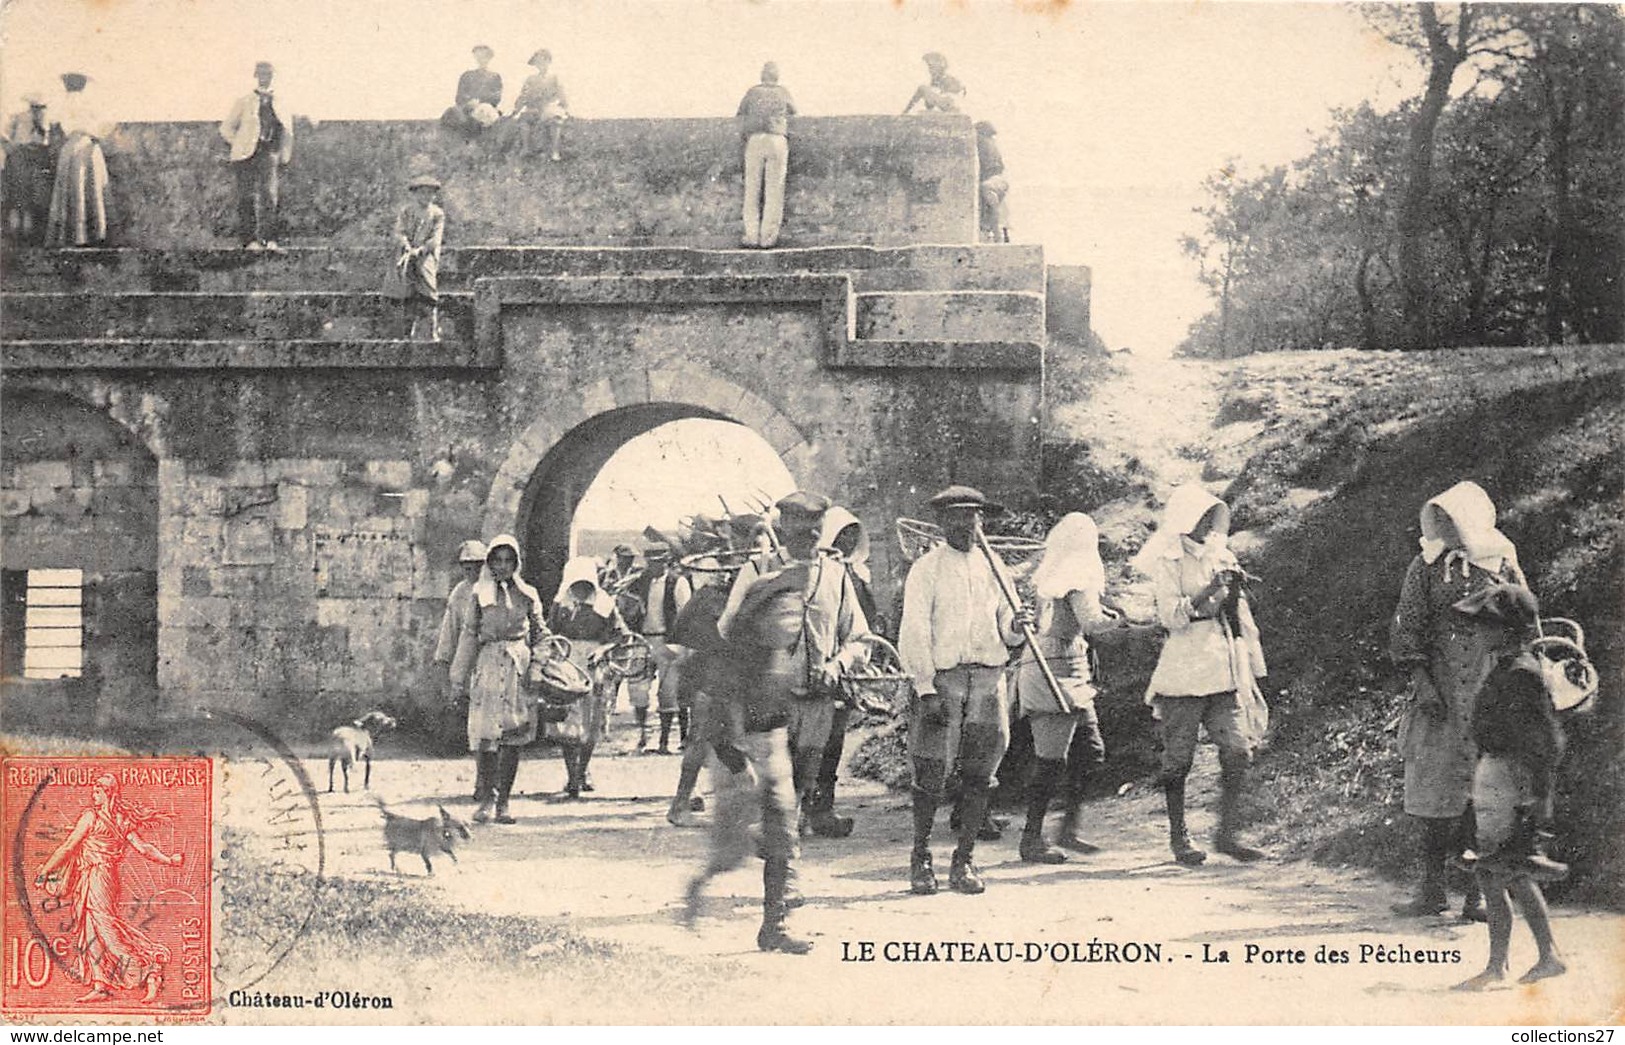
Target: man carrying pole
(960, 619)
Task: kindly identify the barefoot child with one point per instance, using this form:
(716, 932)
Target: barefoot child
(1520, 745)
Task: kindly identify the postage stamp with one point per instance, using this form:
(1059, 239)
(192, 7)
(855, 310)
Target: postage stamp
(108, 878)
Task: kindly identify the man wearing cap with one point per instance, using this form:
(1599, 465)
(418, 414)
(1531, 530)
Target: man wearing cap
(764, 123)
(618, 572)
(955, 637)
(661, 595)
(459, 608)
(261, 143)
(835, 634)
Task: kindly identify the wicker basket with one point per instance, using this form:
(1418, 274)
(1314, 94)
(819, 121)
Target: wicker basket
(1571, 678)
(628, 660)
(916, 537)
(881, 686)
(555, 683)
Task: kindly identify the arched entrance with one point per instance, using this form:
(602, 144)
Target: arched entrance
(562, 478)
(536, 491)
(78, 588)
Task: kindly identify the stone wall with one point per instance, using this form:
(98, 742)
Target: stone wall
(306, 521)
(881, 180)
(77, 491)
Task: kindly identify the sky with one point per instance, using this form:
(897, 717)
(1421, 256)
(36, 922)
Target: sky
(1110, 115)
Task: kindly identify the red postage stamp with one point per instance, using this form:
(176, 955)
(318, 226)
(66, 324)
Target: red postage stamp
(108, 865)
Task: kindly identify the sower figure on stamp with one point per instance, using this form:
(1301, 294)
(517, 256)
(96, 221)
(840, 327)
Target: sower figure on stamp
(261, 142)
(1448, 654)
(1207, 673)
(459, 610)
(955, 637)
(414, 278)
(764, 124)
(753, 707)
(1520, 744)
(494, 652)
(105, 949)
(660, 593)
(833, 634)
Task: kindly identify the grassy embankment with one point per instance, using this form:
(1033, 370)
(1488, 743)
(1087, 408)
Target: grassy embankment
(1326, 459)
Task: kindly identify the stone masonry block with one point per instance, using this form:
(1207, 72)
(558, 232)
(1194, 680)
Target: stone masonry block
(44, 474)
(310, 471)
(293, 503)
(415, 503)
(389, 475)
(13, 502)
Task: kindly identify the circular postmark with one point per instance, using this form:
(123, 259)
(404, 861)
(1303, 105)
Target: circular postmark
(155, 884)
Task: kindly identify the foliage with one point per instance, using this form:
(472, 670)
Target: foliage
(1518, 240)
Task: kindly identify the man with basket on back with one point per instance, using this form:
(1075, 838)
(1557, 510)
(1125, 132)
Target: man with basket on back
(835, 636)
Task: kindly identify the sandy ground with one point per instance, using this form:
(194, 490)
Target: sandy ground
(611, 868)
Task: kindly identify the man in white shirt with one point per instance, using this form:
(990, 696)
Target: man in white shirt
(261, 140)
(955, 638)
(662, 594)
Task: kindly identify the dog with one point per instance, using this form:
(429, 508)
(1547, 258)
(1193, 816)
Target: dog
(424, 837)
(353, 743)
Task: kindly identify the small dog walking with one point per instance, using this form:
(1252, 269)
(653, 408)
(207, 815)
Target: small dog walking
(353, 743)
(424, 837)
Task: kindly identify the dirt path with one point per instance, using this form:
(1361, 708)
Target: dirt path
(611, 868)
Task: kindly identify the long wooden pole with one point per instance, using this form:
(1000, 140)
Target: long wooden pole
(993, 563)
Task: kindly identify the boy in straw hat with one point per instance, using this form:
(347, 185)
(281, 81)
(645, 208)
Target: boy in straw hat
(414, 280)
(955, 638)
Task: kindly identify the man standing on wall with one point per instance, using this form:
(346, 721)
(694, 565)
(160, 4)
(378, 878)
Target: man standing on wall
(261, 143)
(955, 638)
(764, 124)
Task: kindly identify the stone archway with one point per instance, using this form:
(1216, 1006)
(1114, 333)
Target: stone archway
(79, 492)
(550, 465)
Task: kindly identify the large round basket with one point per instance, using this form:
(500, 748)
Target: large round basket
(916, 537)
(555, 683)
(879, 686)
(628, 660)
(720, 563)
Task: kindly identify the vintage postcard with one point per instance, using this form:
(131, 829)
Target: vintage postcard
(815, 512)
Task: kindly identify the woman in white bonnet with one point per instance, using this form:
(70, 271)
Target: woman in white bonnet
(494, 649)
(1069, 583)
(1449, 654)
(1207, 674)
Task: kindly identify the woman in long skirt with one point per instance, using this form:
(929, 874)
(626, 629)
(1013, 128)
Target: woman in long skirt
(586, 615)
(78, 215)
(494, 651)
(1069, 584)
(1449, 655)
